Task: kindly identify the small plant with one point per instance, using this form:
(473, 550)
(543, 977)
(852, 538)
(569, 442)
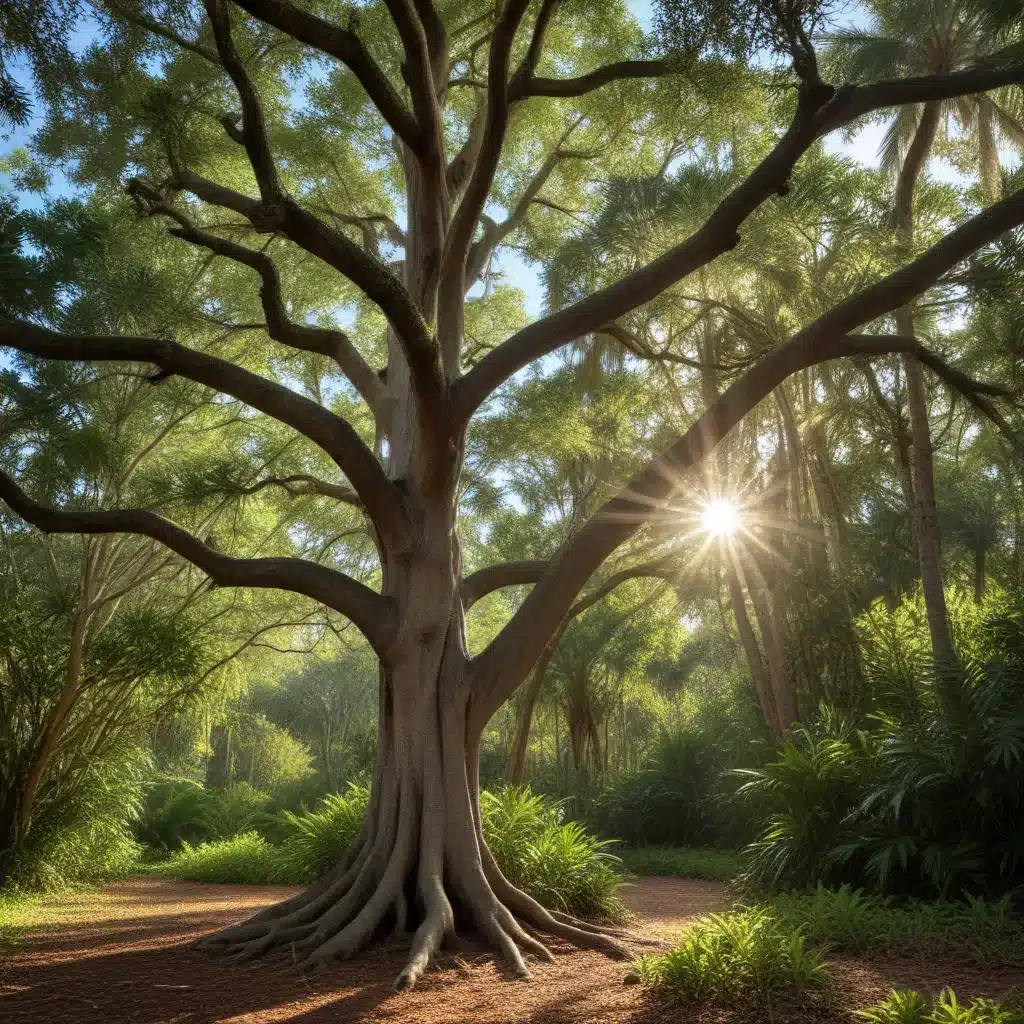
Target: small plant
(226, 813)
(910, 1007)
(749, 957)
(683, 862)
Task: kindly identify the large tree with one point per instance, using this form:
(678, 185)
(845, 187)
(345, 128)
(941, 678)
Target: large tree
(441, 111)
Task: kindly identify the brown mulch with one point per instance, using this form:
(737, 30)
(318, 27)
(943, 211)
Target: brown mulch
(122, 955)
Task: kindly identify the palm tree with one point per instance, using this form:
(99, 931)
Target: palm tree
(928, 37)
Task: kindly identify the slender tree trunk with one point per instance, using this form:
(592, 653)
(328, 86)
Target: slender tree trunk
(755, 663)
(524, 718)
(925, 511)
(979, 574)
(56, 720)
(770, 620)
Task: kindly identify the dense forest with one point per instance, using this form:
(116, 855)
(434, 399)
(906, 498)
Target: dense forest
(431, 431)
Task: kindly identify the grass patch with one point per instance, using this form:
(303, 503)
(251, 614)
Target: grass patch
(247, 859)
(748, 958)
(683, 862)
(853, 921)
(909, 1007)
(17, 913)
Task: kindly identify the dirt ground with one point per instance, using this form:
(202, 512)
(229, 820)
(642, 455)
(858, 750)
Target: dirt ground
(122, 955)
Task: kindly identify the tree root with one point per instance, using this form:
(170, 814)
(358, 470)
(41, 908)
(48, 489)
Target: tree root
(342, 918)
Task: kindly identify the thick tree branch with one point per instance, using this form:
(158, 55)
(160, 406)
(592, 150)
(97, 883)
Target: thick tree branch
(254, 129)
(332, 433)
(505, 574)
(819, 111)
(623, 70)
(334, 344)
(336, 250)
(371, 613)
(344, 45)
(498, 669)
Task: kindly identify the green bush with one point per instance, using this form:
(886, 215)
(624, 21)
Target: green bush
(558, 863)
(854, 921)
(746, 958)
(83, 833)
(178, 811)
(927, 800)
(172, 814)
(683, 862)
(316, 840)
(909, 1007)
(682, 795)
(246, 859)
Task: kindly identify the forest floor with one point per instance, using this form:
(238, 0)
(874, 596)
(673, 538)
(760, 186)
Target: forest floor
(122, 954)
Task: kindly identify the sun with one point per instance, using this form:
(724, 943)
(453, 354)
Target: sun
(720, 518)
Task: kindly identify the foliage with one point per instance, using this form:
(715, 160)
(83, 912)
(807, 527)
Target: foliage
(681, 795)
(556, 862)
(853, 921)
(314, 841)
(906, 1006)
(179, 810)
(927, 798)
(84, 833)
(749, 958)
(682, 862)
(245, 859)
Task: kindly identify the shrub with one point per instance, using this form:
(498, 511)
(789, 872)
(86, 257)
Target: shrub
(749, 957)
(172, 813)
(316, 840)
(854, 921)
(681, 796)
(83, 833)
(177, 811)
(560, 864)
(229, 812)
(811, 790)
(683, 862)
(246, 859)
(928, 801)
(909, 1007)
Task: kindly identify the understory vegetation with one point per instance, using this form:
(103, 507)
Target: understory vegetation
(555, 861)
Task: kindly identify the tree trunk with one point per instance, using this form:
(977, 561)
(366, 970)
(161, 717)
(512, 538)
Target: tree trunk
(925, 512)
(524, 719)
(755, 663)
(420, 862)
(56, 720)
(979, 575)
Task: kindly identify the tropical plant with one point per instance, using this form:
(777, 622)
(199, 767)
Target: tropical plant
(905, 1006)
(748, 957)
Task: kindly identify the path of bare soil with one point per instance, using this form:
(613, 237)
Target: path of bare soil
(122, 955)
